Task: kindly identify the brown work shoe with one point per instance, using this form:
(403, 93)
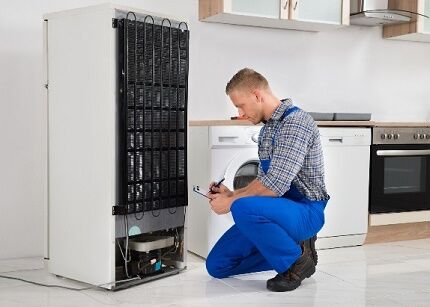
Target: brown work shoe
(303, 268)
(309, 246)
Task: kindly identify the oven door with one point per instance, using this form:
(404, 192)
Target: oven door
(400, 178)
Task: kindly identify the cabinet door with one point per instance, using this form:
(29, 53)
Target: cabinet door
(327, 11)
(261, 8)
(285, 9)
(427, 20)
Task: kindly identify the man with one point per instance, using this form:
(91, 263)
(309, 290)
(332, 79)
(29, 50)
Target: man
(279, 213)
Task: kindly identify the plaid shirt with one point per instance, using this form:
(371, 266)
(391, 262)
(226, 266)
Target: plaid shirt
(296, 154)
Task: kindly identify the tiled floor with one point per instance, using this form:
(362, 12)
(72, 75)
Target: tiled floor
(391, 274)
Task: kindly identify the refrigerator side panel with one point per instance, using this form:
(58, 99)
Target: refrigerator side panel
(45, 145)
(81, 136)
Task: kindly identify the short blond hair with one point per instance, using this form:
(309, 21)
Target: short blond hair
(246, 78)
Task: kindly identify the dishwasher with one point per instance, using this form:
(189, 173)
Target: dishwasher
(346, 164)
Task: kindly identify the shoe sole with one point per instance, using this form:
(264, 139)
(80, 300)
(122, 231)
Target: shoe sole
(307, 274)
(276, 289)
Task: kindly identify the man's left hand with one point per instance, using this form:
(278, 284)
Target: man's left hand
(220, 203)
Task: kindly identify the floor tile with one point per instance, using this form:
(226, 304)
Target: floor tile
(389, 274)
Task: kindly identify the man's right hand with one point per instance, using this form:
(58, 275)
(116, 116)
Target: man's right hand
(222, 189)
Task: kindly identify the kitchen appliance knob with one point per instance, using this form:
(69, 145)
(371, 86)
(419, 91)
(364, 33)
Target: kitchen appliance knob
(396, 136)
(416, 136)
(383, 136)
(422, 136)
(427, 136)
(390, 136)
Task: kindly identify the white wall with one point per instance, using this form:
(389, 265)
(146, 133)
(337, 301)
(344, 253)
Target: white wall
(351, 70)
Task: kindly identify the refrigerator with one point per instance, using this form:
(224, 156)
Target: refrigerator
(116, 181)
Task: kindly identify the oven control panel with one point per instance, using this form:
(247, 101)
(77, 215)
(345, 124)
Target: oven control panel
(401, 135)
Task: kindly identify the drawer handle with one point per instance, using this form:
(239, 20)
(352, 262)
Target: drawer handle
(229, 139)
(336, 140)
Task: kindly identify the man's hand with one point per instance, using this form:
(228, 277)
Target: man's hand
(222, 189)
(221, 198)
(220, 203)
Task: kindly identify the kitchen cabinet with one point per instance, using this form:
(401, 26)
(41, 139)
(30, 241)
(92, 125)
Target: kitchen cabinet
(329, 11)
(261, 8)
(426, 21)
(306, 15)
(418, 30)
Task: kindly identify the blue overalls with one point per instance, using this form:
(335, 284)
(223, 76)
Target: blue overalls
(267, 231)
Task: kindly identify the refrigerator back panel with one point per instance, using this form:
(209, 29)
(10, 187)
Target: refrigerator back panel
(154, 57)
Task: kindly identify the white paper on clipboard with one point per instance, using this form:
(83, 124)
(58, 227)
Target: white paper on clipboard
(200, 191)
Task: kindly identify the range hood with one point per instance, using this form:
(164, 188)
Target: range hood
(381, 12)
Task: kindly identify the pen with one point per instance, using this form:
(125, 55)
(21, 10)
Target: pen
(218, 184)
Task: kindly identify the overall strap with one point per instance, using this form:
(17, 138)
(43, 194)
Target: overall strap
(286, 113)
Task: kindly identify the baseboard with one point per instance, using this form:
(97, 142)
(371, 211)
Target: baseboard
(340, 241)
(379, 219)
(398, 232)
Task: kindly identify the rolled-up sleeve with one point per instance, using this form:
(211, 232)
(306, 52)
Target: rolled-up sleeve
(290, 149)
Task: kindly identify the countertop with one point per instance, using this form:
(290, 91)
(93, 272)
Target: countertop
(319, 123)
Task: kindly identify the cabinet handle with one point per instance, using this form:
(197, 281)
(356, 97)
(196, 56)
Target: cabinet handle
(404, 153)
(285, 5)
(227, 139)
(295, 5)
(336, 140)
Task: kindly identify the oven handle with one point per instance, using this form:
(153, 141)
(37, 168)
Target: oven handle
(403, 153)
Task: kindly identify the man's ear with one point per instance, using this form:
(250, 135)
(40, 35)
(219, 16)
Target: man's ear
(258, 95)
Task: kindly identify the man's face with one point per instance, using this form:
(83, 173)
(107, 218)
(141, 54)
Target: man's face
(249, 104)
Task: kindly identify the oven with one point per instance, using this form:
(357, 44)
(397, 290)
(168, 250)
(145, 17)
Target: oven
(400, 170)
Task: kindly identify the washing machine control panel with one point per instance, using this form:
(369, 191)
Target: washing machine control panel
(234, 136)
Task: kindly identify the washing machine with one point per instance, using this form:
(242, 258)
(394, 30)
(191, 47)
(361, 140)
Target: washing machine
(217, 152)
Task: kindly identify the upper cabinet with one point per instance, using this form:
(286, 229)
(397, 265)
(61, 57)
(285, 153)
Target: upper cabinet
(307, 15)
(328, 11)
(426, 21)
(259, 8)
(418, 30)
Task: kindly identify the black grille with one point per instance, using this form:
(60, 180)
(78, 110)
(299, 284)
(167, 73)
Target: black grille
(152, 114)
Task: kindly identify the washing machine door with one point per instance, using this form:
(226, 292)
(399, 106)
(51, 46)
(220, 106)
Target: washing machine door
(242, 169)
